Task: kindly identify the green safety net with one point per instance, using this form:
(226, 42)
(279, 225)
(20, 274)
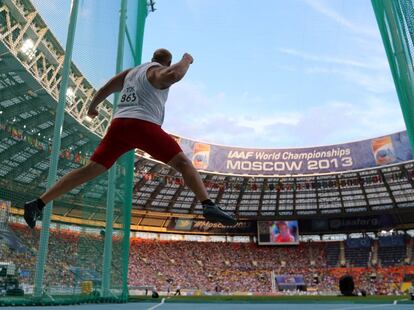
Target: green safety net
(406, 17)
(86, 259)
(396, 24)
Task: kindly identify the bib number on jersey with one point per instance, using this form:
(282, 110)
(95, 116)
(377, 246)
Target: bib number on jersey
(129, 97)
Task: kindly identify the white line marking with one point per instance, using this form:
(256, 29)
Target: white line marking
(357, 307)
(157, 305)
(397, 300)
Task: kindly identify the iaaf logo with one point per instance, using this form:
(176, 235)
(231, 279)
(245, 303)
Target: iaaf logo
(251, 154)
(240, 155)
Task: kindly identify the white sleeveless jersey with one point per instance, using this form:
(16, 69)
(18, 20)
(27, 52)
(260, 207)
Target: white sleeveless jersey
(139, 99)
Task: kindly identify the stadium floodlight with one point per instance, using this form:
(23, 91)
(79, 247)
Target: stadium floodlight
(32, 93)
(28, 48)
(70, 94)
(88, 119)
(151, 6)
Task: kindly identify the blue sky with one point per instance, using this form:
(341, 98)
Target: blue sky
(267, 73)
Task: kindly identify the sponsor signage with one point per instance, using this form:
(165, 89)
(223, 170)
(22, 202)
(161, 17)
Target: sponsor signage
(349, 224)
(264, 229)
(242, 227)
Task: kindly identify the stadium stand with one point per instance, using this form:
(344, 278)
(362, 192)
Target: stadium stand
(392, 250)
(358, 251)
(209, 266)
(332, 254)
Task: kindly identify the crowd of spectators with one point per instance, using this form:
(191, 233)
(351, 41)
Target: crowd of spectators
(63, 250)
(247, 267)
(207, 266)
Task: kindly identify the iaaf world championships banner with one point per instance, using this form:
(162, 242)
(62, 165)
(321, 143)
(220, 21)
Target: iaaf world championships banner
(380, 151)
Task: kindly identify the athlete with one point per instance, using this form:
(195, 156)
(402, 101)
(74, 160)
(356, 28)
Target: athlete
(136, 124)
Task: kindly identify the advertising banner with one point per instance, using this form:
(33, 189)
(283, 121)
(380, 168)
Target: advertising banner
(268, 232)
(241, 228)
(9, 238)
(380, 151)
(358, 243)
(358, 223)
(290, 280)
(392, 241)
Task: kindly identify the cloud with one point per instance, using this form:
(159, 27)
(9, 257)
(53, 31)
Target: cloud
(330, 13)
(374, 63)
(235, 119)
(193, 113)
(340, 121)
(376, 82)
(372, 74)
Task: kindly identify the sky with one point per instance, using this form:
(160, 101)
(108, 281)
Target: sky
(267, 74)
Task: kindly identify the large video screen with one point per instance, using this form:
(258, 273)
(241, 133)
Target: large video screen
(278, 232)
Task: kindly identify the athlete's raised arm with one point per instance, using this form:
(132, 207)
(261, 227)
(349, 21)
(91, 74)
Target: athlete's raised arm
(164, 77)
(112, 86)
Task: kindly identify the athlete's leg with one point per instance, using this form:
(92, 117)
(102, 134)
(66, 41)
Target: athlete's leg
(191, 177)
(33, 209)
(73, 179)
(112, 146)
(152, 139)
(108, 151)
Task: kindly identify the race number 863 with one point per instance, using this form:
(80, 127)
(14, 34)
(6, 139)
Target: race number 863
(128, 97)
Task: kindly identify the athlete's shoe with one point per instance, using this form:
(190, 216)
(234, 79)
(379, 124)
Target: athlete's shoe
(213, 213)
(32, 212)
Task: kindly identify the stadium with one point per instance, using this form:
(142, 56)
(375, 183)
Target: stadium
(314, 224)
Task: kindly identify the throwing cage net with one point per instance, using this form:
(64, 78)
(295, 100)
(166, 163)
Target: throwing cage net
(79, 250)
(396, 24)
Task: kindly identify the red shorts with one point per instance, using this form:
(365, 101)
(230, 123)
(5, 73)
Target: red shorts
(125, 134)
